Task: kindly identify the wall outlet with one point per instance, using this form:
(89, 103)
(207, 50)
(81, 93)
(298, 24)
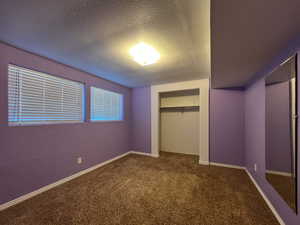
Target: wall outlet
(255, 167)
(79, 160)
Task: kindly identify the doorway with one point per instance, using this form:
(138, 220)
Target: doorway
(203, 137)
(179, 122)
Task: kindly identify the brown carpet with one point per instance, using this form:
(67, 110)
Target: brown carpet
(138, 190)
(285, 186)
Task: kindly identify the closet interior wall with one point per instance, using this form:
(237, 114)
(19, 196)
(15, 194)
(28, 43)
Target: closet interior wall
(179, 122)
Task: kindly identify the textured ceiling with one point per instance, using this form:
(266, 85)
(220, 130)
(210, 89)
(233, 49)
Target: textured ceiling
(247, 35)
(95, 36)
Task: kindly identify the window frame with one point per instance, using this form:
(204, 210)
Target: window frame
(107, 121)
(45, 122)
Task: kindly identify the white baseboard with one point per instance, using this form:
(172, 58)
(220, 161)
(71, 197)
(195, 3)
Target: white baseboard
(57, 183)
(281, 222)
(64, 180)
(226, 165)
(205, 163)
(279, 173)
(144, 153)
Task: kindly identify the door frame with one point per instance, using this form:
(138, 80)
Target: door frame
(203, 86)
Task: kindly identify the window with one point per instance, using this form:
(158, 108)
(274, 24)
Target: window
(39, 98)
(106, 105)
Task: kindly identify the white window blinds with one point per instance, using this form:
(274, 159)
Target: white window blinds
(39, 98)
(106, 105)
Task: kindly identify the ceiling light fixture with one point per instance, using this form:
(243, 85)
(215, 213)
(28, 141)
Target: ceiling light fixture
(144, 54)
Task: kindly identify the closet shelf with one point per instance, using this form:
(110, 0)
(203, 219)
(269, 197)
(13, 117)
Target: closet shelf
(174, 107)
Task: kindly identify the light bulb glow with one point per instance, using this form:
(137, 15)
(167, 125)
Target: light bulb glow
(144, 54)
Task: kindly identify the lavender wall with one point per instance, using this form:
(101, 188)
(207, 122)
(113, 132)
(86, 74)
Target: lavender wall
(278, 136)
(34, 156)
(227, 126)
(255, 145)
(255, 127)
(141, 119)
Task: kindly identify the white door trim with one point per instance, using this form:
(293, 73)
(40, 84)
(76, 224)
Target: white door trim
(203, 86)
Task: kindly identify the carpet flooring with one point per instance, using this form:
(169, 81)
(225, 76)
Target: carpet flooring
(139, 190)
(285, 186)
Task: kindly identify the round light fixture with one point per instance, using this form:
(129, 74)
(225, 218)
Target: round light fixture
(144, 54)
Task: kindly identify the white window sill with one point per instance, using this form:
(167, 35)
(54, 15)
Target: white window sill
(105, 121)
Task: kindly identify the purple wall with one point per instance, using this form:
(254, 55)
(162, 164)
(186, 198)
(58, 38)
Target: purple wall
(227, 126)
(278, 136)
(34, 156)
(255, 126)
(255, 145)
(141, 119)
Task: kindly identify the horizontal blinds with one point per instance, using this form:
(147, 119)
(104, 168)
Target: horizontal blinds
(39, 98)
(106, 105)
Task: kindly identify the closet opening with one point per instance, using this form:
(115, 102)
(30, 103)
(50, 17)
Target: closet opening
(179, 122)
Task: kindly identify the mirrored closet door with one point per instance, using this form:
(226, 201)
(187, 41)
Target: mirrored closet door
(281, 130)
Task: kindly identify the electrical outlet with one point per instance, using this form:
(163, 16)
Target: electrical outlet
(79, 160)
(255, 167)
